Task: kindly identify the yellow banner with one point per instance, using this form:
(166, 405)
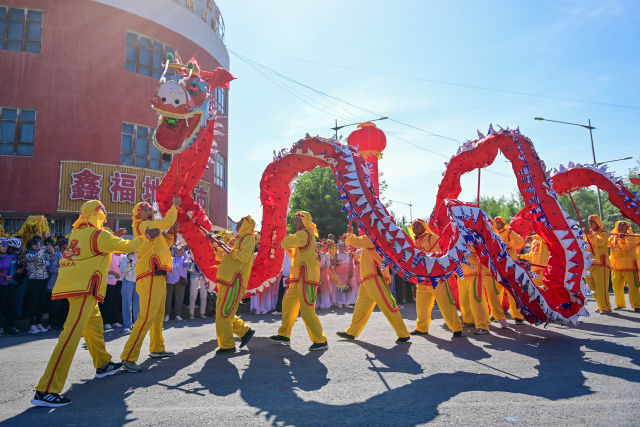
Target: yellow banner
(118, 187)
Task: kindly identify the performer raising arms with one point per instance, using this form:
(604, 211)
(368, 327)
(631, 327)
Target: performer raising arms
(426, 295)
(374, 289)
(624, 265)
(82, 279)
(233, 276)
(154, 262)
(598, 279)
(303, 284)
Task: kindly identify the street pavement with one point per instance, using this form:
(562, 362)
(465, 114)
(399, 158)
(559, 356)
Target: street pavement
(563, 376)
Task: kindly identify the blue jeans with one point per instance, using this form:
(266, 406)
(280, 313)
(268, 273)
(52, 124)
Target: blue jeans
(130, 299)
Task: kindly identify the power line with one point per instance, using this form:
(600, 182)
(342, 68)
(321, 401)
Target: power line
(260, 67)
(463, 85)
(342, 100)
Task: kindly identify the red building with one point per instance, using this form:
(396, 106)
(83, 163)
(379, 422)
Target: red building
(77, 77)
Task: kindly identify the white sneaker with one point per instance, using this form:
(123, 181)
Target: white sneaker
(117, 325)
(41, 328)
(179, 318)
(127, 330)
(108, 327)
(166, 318)
(33, 329)
(504, 324)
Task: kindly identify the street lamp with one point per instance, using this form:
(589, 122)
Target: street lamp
(408, 204)
(336, 128)
(616, 160)
(593, 151)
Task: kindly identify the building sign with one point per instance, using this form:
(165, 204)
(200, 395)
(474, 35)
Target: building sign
(118, 187)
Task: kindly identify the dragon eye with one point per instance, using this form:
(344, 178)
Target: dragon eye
(194, 89)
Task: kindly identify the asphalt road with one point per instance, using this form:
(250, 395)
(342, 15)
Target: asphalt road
(584, 375)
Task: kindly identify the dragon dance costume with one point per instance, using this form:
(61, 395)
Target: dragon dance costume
(82, 279)
(233, 275)
(426, 295)
(473, 305)
(598, 279)
(538, 255)
(374, 289)
(495, 291)
(624, 267)
(154, 262)
(303, 281)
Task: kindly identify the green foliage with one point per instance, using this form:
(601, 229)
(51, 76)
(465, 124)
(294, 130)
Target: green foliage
(315, 192)
(586, 200)
(502, 206)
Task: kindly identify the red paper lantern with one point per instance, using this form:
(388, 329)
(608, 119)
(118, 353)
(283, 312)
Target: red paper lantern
(368, 140)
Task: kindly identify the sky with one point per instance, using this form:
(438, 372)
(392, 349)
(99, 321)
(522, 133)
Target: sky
(444, 68)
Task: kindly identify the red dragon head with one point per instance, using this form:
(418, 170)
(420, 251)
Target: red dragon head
(183, 102)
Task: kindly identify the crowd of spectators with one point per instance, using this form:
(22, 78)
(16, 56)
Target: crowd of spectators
(29, 272)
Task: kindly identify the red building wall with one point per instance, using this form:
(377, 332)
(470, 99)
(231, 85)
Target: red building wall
(82, 93)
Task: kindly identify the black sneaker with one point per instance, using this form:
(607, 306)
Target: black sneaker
(108, 369)
(637, 310)
(50, 400)
(319, 346)
(519, 321)
(457, 334)
(160, 354)
(279, 338)
(402, 339)
(247, 337)
(226, 350)
(417, 332)
(345, 335)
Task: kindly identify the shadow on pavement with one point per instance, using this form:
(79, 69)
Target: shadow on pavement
(276, 375)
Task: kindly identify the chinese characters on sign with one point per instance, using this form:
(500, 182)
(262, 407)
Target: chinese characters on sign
(85, 185)
(150, 186)
(200, 195)
(123, 187)
(118, 187)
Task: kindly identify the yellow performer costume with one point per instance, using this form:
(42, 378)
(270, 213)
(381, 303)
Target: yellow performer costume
(598, 279)
(473, 304)
(624, 266)
(374, 289)
(539, 255)
(495, 291)
(154, 262)
(426, 295)
(82, 279)
(303, 283)
(233, 276)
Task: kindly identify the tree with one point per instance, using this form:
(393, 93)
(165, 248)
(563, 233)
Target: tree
(315, 192)
(502, 206)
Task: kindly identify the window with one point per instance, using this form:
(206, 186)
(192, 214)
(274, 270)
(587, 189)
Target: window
(20, 29)
(12, 225)
(219, 174)
(138, 149)
(145, 55)
(56, 226)
(221, 100)
(17, 129)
